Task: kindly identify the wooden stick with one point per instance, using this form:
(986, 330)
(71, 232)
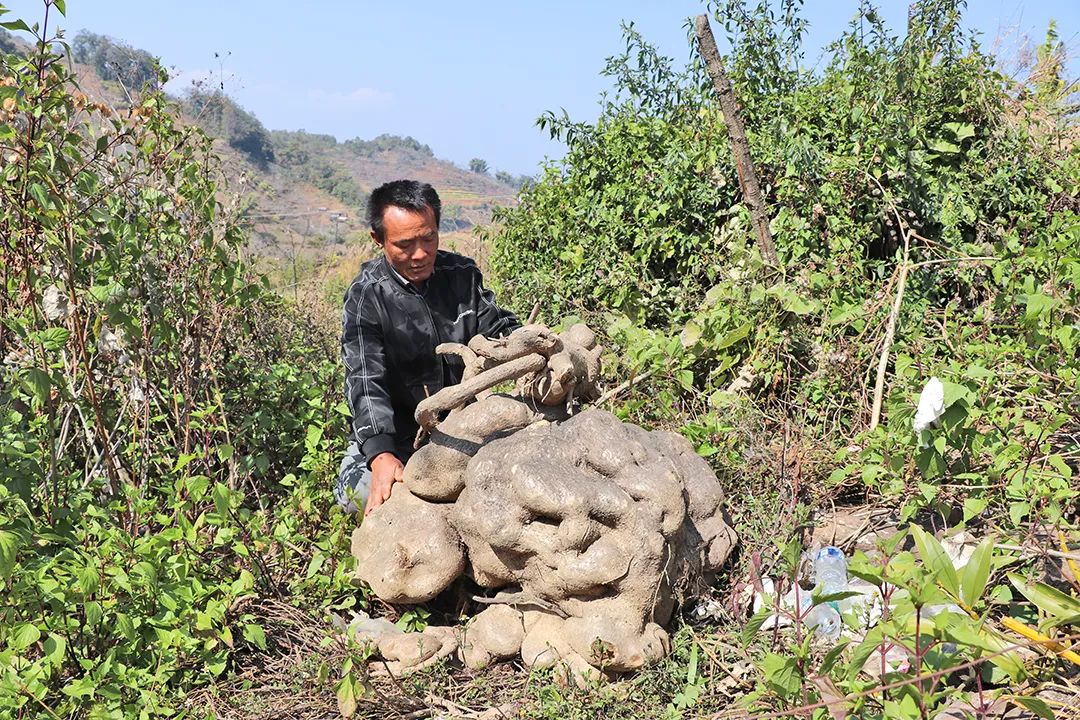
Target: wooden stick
(890, 334)
(729, 104)
(1038, 551)
(534, 314)
(623, 386)
(890, 327)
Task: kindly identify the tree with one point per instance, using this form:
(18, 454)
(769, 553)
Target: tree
(478, 166)
(387, 142)
(515, 181)
(220, 116)
(7, 42)
(113, 60)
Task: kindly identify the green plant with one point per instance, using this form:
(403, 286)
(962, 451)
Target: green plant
(905, 173)
(168, 426)
(935, 620)
(904, 156)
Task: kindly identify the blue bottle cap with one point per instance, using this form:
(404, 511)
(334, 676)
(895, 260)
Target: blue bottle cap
(830, 551)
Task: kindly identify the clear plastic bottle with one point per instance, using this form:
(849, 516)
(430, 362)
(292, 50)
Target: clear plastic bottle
(830, 570)
(830, 577)
(823, 619)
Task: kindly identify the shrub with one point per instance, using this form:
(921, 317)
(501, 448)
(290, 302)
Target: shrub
(162, 414)
(641, 227)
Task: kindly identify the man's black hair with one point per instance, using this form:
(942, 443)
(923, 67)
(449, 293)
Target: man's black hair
(406, 194)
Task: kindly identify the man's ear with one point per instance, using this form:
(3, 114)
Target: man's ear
(375, 237)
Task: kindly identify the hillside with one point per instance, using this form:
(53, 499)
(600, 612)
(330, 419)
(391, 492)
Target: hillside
(302, 193)
(892, 388)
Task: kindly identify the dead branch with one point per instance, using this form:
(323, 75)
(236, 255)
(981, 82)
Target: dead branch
(729, 104)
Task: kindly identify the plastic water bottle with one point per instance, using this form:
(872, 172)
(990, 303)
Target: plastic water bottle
(830, 570)
(823, 619)
(830, 577)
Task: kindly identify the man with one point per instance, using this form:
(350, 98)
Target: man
(398, 309)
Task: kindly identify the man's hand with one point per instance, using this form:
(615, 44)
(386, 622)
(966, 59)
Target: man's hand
(386, 470)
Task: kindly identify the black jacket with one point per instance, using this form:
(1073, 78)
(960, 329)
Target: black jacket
(390, 330)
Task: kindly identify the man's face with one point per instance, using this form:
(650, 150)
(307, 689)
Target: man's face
(410, 241)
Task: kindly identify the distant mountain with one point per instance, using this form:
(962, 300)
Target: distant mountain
(304, 193)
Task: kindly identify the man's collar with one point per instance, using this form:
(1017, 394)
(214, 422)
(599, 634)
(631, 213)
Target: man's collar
(401, 278)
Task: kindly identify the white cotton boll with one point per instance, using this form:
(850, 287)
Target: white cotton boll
(931, 405)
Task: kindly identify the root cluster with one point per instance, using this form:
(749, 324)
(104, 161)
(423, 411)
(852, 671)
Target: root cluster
(584, 530)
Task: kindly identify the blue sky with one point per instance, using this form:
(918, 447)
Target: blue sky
(469, 79)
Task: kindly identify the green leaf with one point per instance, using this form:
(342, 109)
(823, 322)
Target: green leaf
(1033, 705)
(224, 452)
(791, 300)
(976, 573)
(753, 626)
(974, 506)
(979, 636)
(944, 147)
(196, 486)
(961, 131)
(55, 648)
(781, 674)
(40, 194)
(216, 664)
(221, 499)
(733, 336)
(1059, 465)
(93, 613)
(314, 435)
(254, 634)
(183, 461)
(40, 384)
(1018, 511)
(315, 565)
(26, 635)
(1036, 304)
(1048, 599)
(978, 372)
(89, 579)
(346, 697)
(244, 583)
(831, 657)
(9, 548)
(690, 334)
(15, 25)
(953, 392)
(863, 651)
(125, 626)
(53, 338)
(935, 559)
(833, 597)
(85, 686)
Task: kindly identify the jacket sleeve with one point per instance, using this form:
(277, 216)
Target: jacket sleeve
(366, 383)
(492, 320)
